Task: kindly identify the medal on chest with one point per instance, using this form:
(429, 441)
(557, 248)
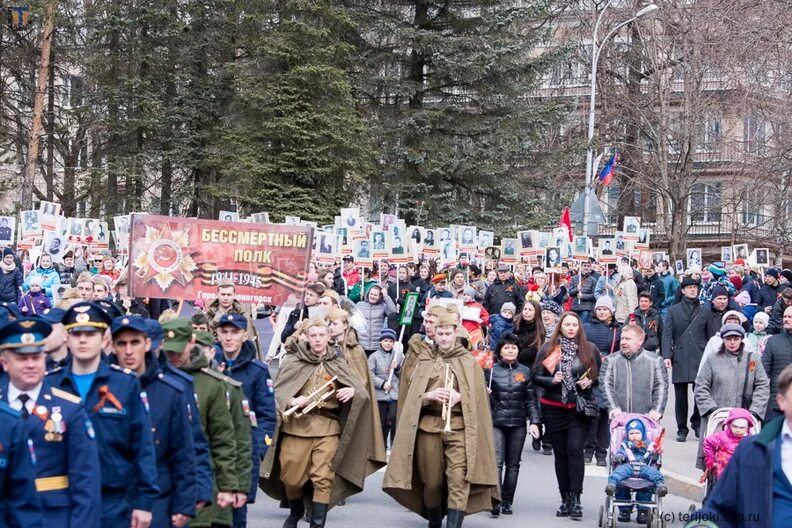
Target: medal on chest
(55, 427)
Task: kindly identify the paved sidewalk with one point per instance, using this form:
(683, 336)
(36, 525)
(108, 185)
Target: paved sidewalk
(679, 458)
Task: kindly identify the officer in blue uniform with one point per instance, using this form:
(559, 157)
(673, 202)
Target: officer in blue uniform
(63, 437)
(238, 356)
(20, 506)
(164, 398)
(112, 398)
(203, 463)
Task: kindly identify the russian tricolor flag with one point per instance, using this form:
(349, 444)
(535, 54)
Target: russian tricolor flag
(607, 172)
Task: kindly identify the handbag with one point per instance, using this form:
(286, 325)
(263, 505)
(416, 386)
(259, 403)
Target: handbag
(586, 405)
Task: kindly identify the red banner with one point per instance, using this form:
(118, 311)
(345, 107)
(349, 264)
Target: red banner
(187, 258)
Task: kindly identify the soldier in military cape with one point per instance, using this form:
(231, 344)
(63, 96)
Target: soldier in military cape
(323, 446)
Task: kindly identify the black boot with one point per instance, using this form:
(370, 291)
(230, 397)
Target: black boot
(454, 518)
(435, 516)
(563, 510)
(318, 515)
(506, 508)
(296, 511)
(575, 509)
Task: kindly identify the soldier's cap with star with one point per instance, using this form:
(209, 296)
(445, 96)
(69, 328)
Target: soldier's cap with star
(24, 336)
(129, 322)
(86, 316)
(154, 331)
(236, 320)
(110, 308)
(178, 332)
(204, 338)
(54, 315)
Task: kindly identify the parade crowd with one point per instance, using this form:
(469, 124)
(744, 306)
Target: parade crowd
(115, 411)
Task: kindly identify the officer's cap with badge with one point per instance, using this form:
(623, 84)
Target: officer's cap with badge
(24, 336)
(235, 320)
(86, 316)
(135, 323)
(154, 331)
(109, 308)
(53, 315)
(9, 311)
(178, 332)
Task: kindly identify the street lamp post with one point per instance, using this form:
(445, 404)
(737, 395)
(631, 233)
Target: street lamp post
(595, 55)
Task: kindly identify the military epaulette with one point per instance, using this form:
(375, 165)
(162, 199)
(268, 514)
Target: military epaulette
(260, 364)
(68, 396)
(213, 373)
(121, 369)
(232, 381)
(53, 371)
(171, 381)
(4, 407)
(180, 374)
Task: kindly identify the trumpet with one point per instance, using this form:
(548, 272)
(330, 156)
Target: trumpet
(318, 398)
(448, 385)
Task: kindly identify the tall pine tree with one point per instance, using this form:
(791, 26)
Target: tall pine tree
(446, 89)
(292, 128)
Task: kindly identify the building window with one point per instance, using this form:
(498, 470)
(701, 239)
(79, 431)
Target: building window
(705, 203)
(711, 135)
(755, 135)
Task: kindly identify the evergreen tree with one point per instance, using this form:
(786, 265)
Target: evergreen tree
(292, 128)
(446, 89)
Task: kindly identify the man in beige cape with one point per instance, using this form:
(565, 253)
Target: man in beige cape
(427, 463)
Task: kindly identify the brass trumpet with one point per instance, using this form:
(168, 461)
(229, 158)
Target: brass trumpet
(448, 385)
(318, 398)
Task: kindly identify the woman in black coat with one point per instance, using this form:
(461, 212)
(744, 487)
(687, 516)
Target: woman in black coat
(604, 332)
(567, 367)
(530, 333)
(513, 404)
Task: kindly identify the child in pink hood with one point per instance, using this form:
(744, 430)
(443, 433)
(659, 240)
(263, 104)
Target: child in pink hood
(719, 447)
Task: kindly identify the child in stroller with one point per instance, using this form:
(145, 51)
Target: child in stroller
(722, 438)
(636, 457)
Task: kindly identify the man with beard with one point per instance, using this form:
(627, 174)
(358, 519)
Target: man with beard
(430, 460)
(324, 444)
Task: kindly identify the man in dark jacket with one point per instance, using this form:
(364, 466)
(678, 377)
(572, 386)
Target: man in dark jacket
(776, 324)
(654, 285)
(10, 278)
(682, 346)
(238, 355)
(581, 289)
(648, 318)
(776, 357)
(310, 299)
(746, 494)
(505, 289)
(768, 294)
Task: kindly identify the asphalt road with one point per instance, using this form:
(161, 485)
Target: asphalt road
(536, 500)
(535, 504)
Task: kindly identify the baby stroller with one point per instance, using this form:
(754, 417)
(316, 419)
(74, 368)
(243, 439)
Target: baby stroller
(654, 435)
(715, 424)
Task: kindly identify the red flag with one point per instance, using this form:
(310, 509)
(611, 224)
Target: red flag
(566, 221)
